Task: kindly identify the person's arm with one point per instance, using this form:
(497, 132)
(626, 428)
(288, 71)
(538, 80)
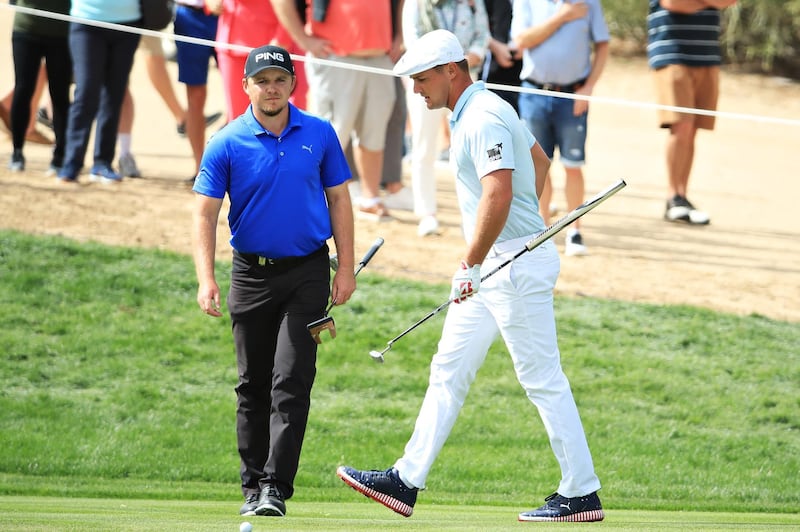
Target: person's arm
(204, 245)
(535, 35)
(689, 7)
(341, 212)
(598, 64)
(398, 46)
(541, 165)
(287, 14)
(493, 209)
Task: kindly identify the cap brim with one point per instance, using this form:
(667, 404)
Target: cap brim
(253, 73)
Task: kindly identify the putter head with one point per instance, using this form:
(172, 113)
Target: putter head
(377, 356)
(322, 324)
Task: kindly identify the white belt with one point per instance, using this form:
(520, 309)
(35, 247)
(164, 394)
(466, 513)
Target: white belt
(514, 244)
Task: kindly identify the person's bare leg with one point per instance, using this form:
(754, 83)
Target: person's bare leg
(545, 199)
(195, 121)
(370, 165)
(159, 78)
(680, 156)
(574, 190)
(126, 114)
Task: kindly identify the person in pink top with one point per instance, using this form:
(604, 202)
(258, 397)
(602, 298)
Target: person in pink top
(249, 23)
(358, 103)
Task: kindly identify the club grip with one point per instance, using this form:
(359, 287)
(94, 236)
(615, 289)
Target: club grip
(371, 252)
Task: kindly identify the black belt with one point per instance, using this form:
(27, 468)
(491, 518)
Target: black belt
(280, 264)
(570, 87)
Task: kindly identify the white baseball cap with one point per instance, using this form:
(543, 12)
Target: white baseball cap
(435, 48)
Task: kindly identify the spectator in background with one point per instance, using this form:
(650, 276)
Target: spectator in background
(156, 64)
(503, 62)
(193, 19)
(32, 134)
(357, 103)
(396, 195)
(102, 60)
(565, 48)
(684, 53)
(249, 23)
(34, 38)
(468, 21)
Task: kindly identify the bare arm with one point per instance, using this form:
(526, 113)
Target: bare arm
(693, 6)
(541, 165)
(493, 209)
(287, 14)
(341, 212)
(204, 245)
(536, 35)
(599, 61)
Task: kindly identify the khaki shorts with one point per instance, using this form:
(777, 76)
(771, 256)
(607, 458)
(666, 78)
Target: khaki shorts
(356, 102)
(151, 45)
(682, 86)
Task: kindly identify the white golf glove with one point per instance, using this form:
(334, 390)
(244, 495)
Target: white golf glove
(466, 282)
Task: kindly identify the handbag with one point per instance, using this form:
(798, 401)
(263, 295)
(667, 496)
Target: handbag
(156, 14)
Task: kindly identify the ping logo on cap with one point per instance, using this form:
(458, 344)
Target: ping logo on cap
(269, 56)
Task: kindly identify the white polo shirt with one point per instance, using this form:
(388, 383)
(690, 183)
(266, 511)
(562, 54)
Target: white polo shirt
(487, 135)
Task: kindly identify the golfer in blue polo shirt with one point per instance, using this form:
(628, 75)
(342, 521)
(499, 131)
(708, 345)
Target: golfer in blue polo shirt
(285, 175)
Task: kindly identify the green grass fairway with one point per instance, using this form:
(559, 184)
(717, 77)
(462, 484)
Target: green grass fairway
(117, 407)
(62, 514)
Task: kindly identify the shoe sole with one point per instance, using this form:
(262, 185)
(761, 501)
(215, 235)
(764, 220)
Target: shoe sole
(589, 516)
(686, 220)
(269, 510)
(94, 178)
(386, 500)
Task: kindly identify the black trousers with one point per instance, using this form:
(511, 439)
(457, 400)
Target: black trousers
(29, 50)
(270, 307)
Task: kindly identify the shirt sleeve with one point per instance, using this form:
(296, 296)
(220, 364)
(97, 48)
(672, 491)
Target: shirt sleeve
(492, 146)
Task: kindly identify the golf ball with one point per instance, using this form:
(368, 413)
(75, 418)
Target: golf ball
(245, 527)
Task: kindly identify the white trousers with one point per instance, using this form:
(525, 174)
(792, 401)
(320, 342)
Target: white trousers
(425, 126)
(516, 302)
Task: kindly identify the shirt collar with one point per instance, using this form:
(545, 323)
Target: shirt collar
(257, 129)
(463, 99)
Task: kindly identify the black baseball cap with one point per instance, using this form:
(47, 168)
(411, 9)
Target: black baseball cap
(267, 57)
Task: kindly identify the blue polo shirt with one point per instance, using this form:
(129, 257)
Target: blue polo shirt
(487, 135)
(276, 184)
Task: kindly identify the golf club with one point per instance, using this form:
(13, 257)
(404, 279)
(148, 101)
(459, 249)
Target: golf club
(533, 243)
(326, 322)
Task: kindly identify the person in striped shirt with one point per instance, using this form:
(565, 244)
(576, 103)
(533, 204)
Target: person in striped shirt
(684, 54)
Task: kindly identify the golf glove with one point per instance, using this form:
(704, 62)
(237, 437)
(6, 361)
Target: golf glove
(466, 282)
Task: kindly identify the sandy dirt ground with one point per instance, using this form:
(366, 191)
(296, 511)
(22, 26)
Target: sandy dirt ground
(745, 176)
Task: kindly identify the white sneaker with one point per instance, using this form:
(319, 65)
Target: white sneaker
(574, 245)
(429, 225)
(402, 200)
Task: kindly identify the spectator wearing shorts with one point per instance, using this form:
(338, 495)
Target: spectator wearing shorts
(249, 23)
(684, 54)
(193, 20)
(358, 103)
(565, 48)
(156, 64)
